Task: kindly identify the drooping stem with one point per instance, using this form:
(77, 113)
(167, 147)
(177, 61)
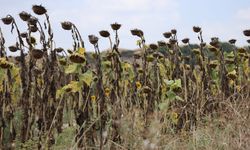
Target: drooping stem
(2, 41)
(78, 33)
(100, 93)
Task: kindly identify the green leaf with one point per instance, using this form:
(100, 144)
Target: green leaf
(72, 68)
(229, 54)
(171, 95)
(169, 82)
(76, 86)
(87, 77)
(178, 82)
(126, 66)
(106, 64)
(164, 106)
(73, 86)
(230, 67)
(138, 42)
(59, 93)
(214, 75)
(161, 69)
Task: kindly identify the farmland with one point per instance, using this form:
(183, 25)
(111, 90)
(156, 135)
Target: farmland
(171, 94)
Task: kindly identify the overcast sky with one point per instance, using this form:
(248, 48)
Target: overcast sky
(223, 18)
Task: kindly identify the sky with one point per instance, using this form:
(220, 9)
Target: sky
(225, 19)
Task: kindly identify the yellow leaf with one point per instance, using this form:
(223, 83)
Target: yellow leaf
(81, 50)
(59, 93)
(87, 77)
(75, 86)
(174, 117)
(138, 42)
(73, 68)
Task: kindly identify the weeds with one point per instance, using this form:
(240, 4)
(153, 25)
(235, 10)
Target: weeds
(166, 96)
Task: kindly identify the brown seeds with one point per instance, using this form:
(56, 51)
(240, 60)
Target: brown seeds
(58, 50)
(241, 50)
(93, 39)
(229, 61)
(167, 34)
(173, 31)
(32, 40)
(248, 41)
(5, 65)
(7, 20)
(137, 32)
(33, 28)
(156, 54)
(24, 16)
(172, 41)
(232, 75)
(153, 46)
(39, 9)
(232, 41)
(246, 32)
(196, 29)
(214, 43)
(76, 58)
(37, 53)
(185, 40)
(24, 34)
(66, 25)
(104, 33)
(32, 20)
(13, 48)
(162, 43)
(115, 26)
(213, 64)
